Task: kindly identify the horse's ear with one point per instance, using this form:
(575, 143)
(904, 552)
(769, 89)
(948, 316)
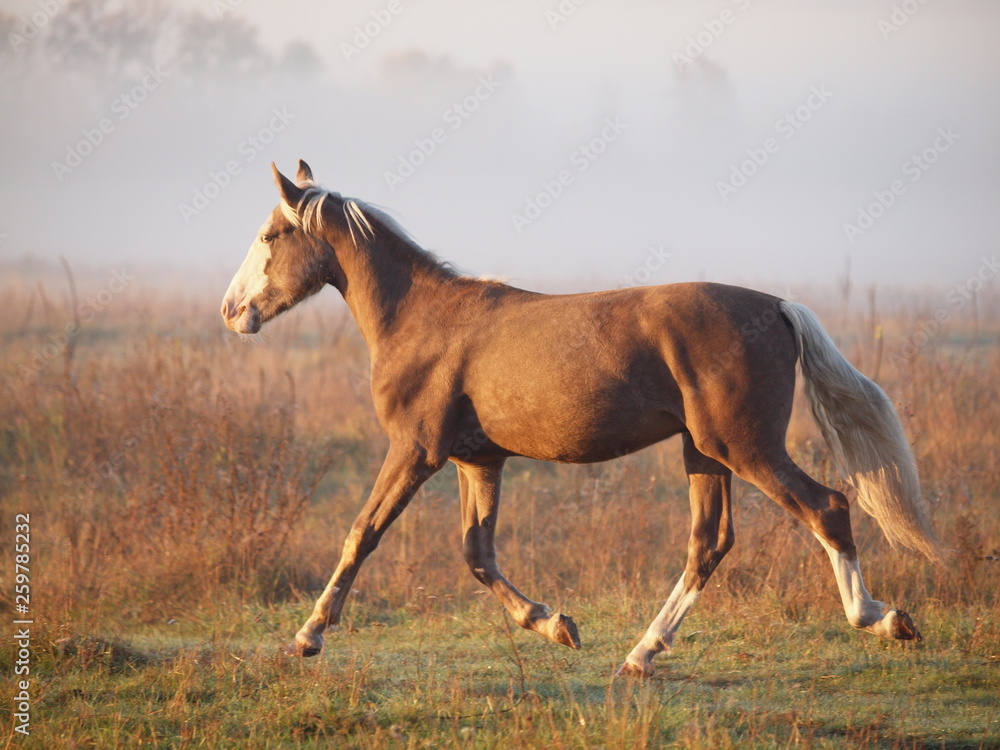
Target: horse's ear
(305, 174)
(291, 193)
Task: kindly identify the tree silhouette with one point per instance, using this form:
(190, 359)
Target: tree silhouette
(109, 40)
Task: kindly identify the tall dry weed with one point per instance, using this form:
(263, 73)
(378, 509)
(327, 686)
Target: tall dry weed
(169, 466)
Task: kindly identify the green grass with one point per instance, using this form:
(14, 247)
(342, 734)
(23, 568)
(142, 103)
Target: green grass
(463, 675)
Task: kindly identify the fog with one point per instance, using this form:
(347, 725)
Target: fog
(560, 145)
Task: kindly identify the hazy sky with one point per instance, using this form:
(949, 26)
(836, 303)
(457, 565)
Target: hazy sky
(741, 140)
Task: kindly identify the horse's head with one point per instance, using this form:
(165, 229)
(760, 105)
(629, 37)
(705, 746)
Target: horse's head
(289, 259)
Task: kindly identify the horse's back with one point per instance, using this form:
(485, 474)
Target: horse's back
(588, 376)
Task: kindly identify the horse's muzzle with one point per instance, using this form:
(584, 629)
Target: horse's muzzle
(242, 319)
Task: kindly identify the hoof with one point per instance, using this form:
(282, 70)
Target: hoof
(897, 625)
(562, 629)
(306, 649)
(630, 670)
(900, 626)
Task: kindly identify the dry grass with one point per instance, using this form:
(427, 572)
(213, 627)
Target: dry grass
(173, 472)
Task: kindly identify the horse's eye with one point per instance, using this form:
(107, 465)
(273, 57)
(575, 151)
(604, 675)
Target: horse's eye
(266, 238)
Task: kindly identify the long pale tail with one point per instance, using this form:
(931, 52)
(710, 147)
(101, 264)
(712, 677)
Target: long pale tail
(861, 426)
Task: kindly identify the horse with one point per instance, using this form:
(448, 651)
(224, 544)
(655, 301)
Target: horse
(472, 372)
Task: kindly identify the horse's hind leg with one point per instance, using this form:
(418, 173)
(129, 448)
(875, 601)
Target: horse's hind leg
(480, 491)
(826, 513)
(711, 538)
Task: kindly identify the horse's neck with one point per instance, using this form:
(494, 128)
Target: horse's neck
(385, 282)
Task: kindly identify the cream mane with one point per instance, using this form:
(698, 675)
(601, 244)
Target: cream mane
(363, 221)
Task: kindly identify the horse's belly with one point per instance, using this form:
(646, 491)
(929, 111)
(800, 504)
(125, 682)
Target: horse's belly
(556, 426)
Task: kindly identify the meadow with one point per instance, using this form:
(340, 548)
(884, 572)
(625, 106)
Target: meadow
(189, 491)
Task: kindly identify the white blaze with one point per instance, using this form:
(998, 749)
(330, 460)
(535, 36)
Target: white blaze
(249, 280)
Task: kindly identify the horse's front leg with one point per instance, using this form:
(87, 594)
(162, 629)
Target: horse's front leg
(402, 473)
(479, 485)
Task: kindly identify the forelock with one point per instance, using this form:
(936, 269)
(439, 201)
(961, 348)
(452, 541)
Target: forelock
(308, 214)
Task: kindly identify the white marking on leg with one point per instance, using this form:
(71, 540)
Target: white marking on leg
(660, 634)
(862, 611)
